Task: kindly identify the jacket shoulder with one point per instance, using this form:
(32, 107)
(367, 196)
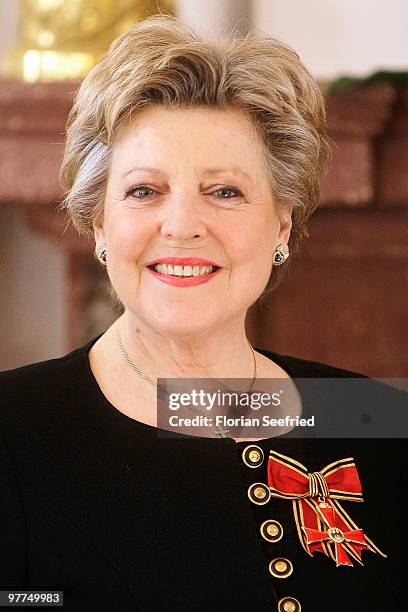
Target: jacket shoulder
(34, 373)
(30, 391)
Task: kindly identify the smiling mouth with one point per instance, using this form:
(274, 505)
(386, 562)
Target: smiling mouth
(183, 271)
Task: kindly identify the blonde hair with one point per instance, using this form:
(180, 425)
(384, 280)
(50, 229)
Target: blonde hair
(162, 61)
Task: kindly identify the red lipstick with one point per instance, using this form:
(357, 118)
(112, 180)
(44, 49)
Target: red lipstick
(183, 281)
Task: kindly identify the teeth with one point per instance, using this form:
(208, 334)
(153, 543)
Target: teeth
(183, 270)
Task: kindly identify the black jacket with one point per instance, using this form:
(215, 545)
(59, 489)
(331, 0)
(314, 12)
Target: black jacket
(93, 503)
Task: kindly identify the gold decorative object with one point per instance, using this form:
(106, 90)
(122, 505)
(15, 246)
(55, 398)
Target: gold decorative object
(62, 40)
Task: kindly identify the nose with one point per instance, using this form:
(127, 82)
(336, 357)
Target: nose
(182, 218)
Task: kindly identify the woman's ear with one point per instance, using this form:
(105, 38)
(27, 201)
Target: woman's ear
(285, 218)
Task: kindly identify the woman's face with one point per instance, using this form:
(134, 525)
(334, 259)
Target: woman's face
(189, 183)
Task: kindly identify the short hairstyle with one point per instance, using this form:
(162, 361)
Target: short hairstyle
(162, 61)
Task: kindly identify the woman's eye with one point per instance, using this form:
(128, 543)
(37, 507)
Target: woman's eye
(225, 192)
(140, 192)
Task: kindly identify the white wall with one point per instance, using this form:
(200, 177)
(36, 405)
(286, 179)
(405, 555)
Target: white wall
(213, 17)
(333, 37)
(32, 305)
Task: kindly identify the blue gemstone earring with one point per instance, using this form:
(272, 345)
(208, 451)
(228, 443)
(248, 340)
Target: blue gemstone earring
(281, 254)
(102, 255)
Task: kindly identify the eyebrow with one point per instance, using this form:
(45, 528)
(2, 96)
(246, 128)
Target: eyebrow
(233, 169)
(143, 168)
(207, 171)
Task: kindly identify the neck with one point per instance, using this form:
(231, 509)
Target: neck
(222, 352)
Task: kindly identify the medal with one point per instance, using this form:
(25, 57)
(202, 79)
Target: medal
(322, 523)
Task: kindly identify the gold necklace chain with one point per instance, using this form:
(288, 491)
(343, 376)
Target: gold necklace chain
(219, 430)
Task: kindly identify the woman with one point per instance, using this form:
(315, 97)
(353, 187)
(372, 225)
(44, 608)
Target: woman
(195, 166)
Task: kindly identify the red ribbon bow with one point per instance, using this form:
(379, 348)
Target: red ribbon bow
(290, 479)
(322, 523)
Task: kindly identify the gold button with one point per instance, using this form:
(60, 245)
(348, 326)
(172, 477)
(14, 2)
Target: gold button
(253, 456)
(271, 530)
(289, 604)
(280, 567)
(259, 493)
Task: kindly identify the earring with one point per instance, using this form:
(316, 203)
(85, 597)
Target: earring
(101, 254)
(281, 254)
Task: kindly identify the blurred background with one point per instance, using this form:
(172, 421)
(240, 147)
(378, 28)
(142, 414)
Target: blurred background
(345, 301)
